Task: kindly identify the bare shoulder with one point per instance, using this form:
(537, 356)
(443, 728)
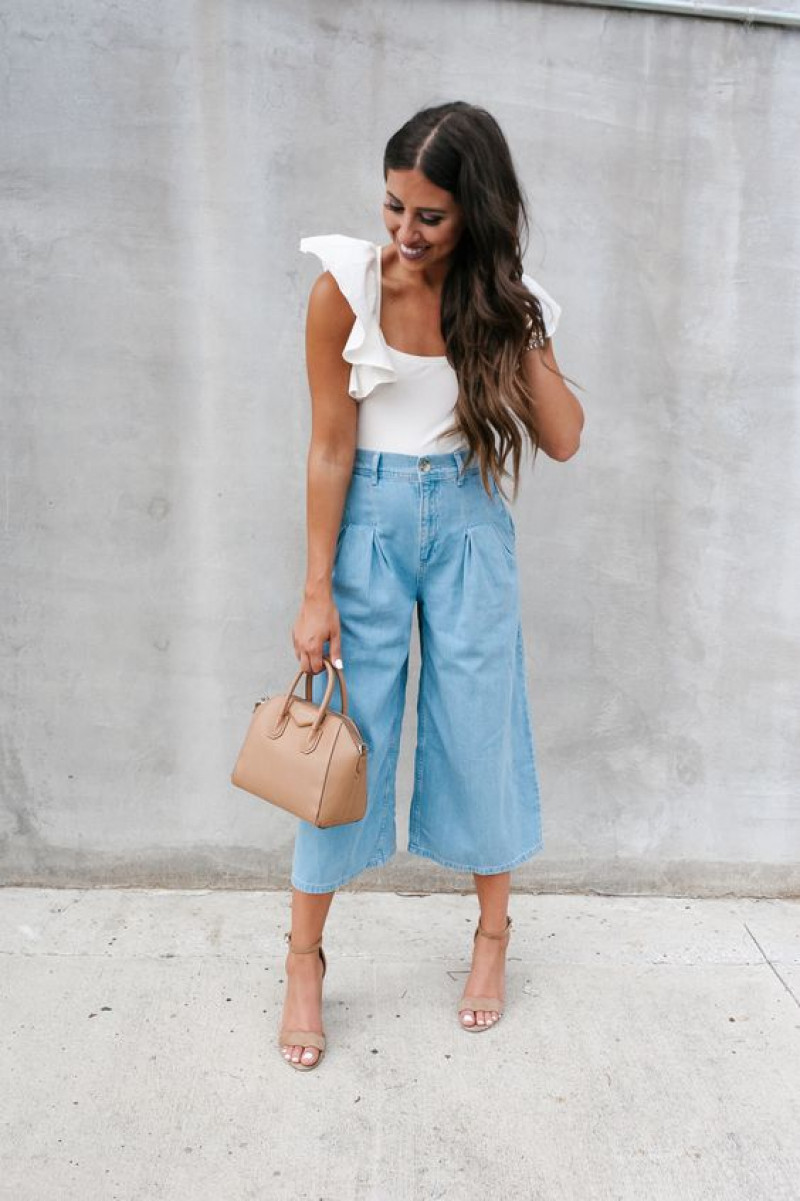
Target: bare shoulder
(330, 317)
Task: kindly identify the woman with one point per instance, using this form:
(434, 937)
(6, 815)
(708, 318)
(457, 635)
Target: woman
(429, 360)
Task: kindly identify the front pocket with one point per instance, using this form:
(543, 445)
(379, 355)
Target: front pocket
(352, 566)
(504, 532)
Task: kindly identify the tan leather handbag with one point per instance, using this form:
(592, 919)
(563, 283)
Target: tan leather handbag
(308, 759)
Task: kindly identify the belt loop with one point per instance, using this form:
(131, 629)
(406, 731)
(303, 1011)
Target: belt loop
(460, 455)
(376, 458)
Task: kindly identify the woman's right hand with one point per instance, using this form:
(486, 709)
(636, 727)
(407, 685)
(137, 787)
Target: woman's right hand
(316, 623)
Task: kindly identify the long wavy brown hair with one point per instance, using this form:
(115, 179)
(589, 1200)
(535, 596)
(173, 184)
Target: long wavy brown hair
(487, 313)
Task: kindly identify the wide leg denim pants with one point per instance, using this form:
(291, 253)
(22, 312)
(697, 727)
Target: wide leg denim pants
(420, 535)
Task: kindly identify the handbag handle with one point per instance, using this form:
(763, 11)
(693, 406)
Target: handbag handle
(310, 677)
(334, 673)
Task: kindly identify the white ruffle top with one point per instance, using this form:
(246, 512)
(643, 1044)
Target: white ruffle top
(410, 398)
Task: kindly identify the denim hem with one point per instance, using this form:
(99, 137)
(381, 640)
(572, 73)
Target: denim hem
(414, 849)
(316, 888)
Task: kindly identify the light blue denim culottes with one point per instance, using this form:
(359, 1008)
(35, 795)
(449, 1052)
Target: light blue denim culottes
(421, 533)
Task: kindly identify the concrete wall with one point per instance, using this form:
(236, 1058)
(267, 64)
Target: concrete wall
(159, 165)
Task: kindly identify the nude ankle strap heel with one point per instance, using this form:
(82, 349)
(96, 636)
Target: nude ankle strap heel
(315, 946)
(505, 934)
(304, 1038)
(485, 1003)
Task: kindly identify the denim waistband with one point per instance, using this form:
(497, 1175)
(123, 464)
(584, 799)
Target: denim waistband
(391, 464)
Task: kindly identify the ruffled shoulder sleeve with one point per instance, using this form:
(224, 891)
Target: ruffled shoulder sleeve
(551, 309)
(355, 265)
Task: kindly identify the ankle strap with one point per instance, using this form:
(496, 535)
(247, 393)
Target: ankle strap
(480, 930)
(302, 950)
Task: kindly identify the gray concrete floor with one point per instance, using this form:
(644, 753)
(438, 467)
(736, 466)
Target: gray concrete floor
(650, 1049)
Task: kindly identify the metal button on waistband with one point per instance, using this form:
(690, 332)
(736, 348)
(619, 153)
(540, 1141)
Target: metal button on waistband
(424, 464)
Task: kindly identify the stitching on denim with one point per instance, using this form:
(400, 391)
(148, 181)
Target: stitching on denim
(500, 534)
(522, 673)
(504, 537)
(420, 754)
(435, 473)
(305, 886)
(420, 564)
(391, 766)
(414, 848)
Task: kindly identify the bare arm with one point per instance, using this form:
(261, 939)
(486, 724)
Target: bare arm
(329, 467)
(559, 413)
